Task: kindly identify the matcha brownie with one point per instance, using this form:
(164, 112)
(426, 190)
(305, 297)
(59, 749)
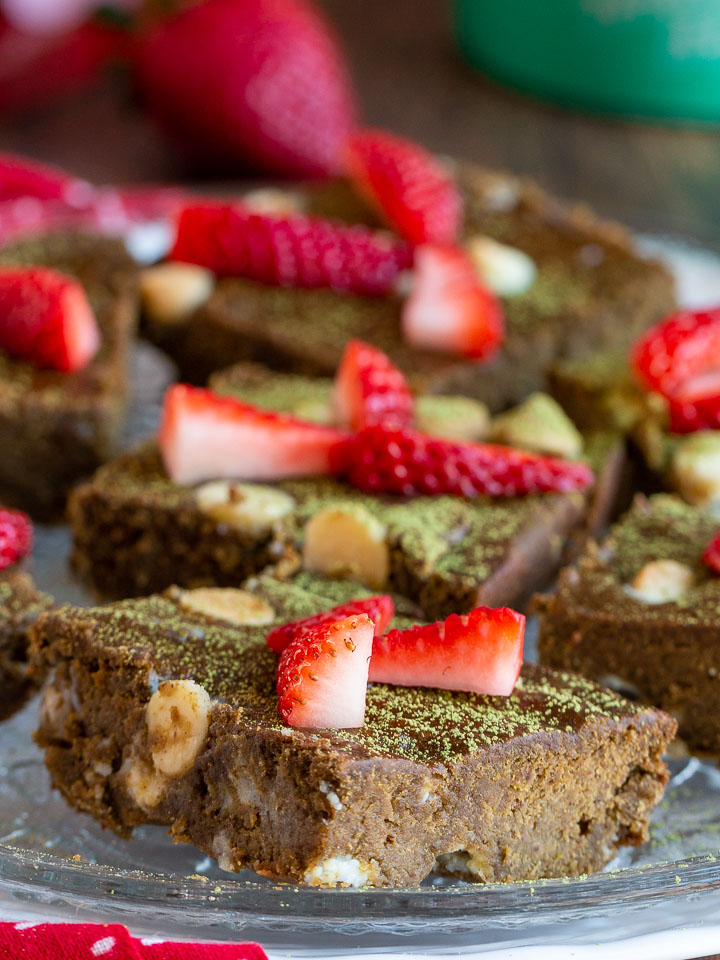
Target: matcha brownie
(642, 610)
(56, 428)
(21, 603)
(136, 532)
(591, 291)
(163, 710)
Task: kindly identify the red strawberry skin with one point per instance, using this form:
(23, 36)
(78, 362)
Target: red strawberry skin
(260, 81)
(204, 436)
(711, 556)
(408, 463)
(683, 347)
(288, 251)
(380, 610)
(410, 188)
(448, 309)
(323, 675)
(480, 652)
(16, 536)
(45, 319)
(369, 390)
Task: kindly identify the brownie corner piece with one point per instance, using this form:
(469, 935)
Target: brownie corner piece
(56, 428)
(547, 782)
(21, 604)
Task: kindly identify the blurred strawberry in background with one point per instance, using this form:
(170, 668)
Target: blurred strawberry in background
(262, 81)
(236, 83)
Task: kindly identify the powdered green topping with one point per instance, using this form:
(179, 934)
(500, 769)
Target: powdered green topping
(663, 528)
(236, 667)
(21, 603)
(270, 391)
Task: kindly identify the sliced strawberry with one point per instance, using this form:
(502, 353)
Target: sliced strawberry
(16, 536)
(21, 177)
(380, 610)
(711, 556)
(45, 319)
(409, 186)
(448, 308)
(204, 436)
(323, 675)
(370, 390)
(409, 463)
(480, 652)
(683, 347)
(288, 251)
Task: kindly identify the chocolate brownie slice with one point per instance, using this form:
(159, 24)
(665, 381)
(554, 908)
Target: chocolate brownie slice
(21, 603)
(57, 427)
(163, 710)
(642, 611)
(136, 532)
(592, 292)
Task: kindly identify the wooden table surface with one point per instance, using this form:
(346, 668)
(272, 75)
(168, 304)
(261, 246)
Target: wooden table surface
(411, 80)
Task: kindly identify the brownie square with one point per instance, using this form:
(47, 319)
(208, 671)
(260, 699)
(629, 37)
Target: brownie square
(593, 292)
(58, 427)
(547, 782)
(21, 603)
(664, 652)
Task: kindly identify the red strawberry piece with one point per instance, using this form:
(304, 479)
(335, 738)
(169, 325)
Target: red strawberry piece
(448, 308)
(37, 70)
(682, 348)
(45, 319)
(261, 81)
(480, 652)
(406, 462)
(711, 556)
(369, 389)
(288, 251)
(205, 436)
(410, 187)
(16, 536)
(380, 610)
(323, 675)
(20, 177)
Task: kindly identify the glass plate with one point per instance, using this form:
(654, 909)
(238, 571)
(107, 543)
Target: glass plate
(53, 859)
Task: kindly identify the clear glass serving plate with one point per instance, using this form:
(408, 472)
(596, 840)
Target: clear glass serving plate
(54, 861)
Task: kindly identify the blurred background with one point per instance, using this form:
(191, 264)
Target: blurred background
(411, 78)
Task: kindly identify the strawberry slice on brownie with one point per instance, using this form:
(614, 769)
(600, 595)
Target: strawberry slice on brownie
(46, 319)
(480, 652)
(16, 536)
(204, 436)
(369, 389)
(323, 675)
(380, 610)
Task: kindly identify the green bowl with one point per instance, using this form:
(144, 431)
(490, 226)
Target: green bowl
(652, 58)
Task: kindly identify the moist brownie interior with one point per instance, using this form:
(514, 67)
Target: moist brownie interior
(546, 782)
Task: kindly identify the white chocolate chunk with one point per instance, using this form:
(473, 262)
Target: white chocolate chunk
(539, 424)
(347, 541)
(662, 581)
(177, 717)
(171, 291)
(250, 507)
(145, 785)
(227, 603)
(696, 467)
(341, 870)
(506, 270)
(454, 418)
(275, 202)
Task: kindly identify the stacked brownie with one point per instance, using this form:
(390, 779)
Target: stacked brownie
(21, 603)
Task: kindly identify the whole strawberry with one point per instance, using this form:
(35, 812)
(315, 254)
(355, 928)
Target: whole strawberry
(261, 81)
(16, 536)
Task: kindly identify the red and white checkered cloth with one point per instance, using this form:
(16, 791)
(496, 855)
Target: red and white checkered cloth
(93, 941)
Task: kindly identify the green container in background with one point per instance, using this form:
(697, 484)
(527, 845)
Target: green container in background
(653, 58)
